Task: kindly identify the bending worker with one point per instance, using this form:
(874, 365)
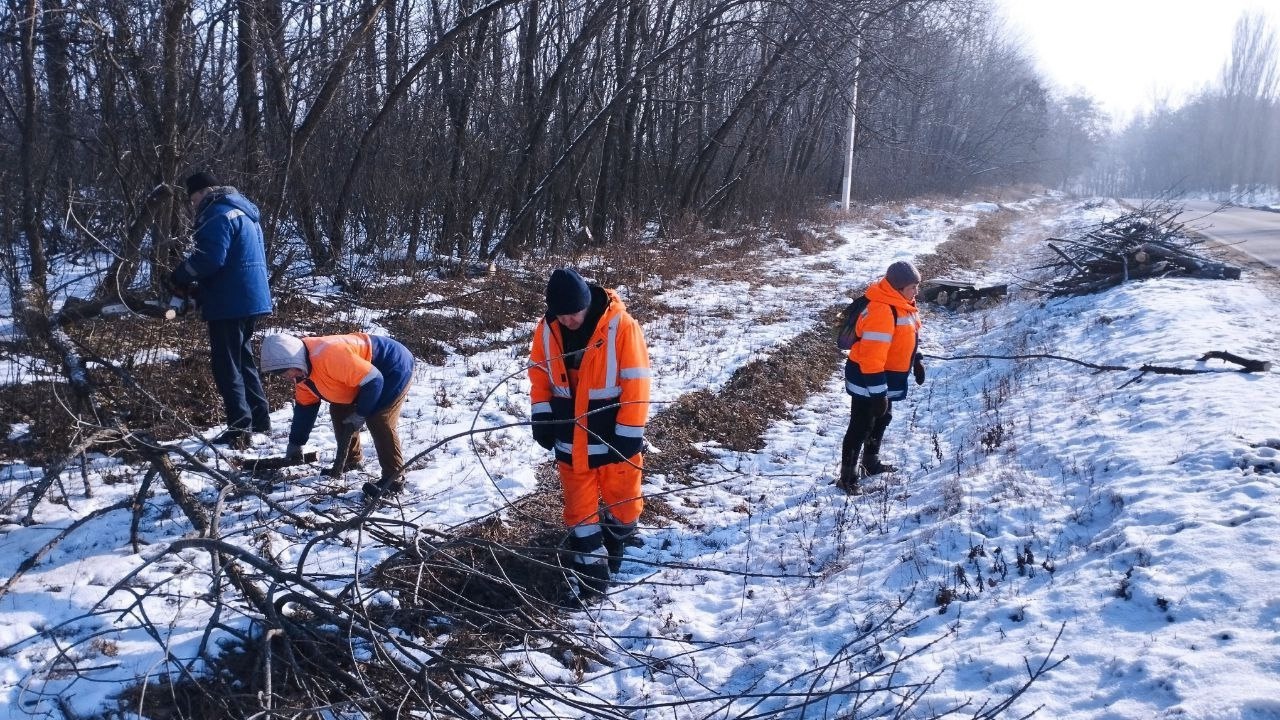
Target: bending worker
(875, 374)
(364, 378)
(590, 401)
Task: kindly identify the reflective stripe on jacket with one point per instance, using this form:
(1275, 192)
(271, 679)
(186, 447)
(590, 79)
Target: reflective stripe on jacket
(610, 398)
(880, 361)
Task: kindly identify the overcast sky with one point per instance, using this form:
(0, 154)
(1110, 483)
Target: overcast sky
(1129, 53)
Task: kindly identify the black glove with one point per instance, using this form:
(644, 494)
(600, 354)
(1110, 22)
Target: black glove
(175, 287)
(544, 432)
(626, 447)
(918, 370)
(353, 422)
(880, 405)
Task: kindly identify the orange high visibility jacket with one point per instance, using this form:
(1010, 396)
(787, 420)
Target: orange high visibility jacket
(609, 404)
(881, 359)
(366, 371)
(340, 365)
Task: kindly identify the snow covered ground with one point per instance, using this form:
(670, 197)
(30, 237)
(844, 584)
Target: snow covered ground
(1033, 498)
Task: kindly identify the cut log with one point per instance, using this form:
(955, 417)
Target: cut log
(75, 309)
(948, 292)
(253, 466)
(1195, 267)
(1246, 365)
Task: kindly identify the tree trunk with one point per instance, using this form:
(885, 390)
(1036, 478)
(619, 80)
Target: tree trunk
(247, 92)
(38, 274)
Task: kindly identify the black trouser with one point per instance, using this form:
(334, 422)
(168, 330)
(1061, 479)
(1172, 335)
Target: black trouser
(865, 430)
(235, 372)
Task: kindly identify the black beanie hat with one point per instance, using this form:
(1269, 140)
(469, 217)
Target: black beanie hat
(902, 274)
(567, 292)
(200, 180)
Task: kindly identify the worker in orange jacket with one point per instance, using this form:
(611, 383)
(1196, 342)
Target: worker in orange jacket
(365, 379)
(875, 374)
(589, 373)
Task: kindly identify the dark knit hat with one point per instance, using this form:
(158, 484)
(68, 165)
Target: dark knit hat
(200, 180)
(902, 274)
(567, 292)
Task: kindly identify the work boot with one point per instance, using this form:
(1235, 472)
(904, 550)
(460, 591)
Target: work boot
(593, 579)
(871, 465)
(849, 476)
(233, 439)
(618, 537)
(385, 487)
(588, 566)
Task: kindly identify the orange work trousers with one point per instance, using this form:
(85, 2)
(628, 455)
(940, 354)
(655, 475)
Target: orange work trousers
(616, 486)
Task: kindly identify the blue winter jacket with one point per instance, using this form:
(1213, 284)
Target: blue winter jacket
(229, 261)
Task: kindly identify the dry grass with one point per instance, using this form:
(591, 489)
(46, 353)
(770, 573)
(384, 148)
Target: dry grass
(967, 247)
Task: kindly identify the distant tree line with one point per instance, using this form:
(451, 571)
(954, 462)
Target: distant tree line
(406, 131)
(1224, 141)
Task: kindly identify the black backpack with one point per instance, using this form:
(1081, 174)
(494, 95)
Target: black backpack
(848, 334)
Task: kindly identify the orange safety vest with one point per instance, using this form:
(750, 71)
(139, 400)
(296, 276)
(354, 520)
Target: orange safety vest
(340, 364)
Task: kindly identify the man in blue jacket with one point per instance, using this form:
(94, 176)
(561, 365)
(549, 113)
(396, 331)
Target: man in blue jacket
(228, 270)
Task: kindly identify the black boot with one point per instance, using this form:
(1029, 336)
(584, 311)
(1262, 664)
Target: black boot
(850, 470)
(850, 474)
(588, 565)
(384, 487)
(233, 439)
(593, 580)
(618, 536)
(871, 464)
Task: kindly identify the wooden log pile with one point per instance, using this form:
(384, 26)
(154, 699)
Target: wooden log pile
(951, 293)
(1145, 243)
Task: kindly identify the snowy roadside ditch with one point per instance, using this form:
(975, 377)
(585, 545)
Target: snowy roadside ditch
(447, 491)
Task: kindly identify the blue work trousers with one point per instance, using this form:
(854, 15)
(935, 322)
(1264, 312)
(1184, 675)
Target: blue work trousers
(235, 372)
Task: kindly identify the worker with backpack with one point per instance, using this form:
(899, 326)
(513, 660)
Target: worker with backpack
(882, 332)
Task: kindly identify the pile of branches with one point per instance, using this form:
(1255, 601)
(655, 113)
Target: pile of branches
(1146, 243)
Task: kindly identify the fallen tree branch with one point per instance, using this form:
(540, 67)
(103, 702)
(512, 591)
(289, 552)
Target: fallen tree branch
(1248, 365)
(1035, 356)
(38, 489)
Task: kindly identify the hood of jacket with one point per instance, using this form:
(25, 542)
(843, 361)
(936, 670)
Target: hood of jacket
(886, 293)
(228, 196)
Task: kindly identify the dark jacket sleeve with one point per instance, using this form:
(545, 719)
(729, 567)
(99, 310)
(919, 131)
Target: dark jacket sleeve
(304, 419)
(213, 238)
(369, 394)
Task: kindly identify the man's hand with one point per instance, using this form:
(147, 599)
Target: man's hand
(544, 432)
(627, 447)
(293, 453)
(172, 284)
(917, 369)
(353, 422)
(880, 405)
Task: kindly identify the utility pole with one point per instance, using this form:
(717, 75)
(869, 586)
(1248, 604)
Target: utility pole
(853, 119)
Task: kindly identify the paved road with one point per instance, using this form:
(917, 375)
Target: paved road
(1255, 233)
